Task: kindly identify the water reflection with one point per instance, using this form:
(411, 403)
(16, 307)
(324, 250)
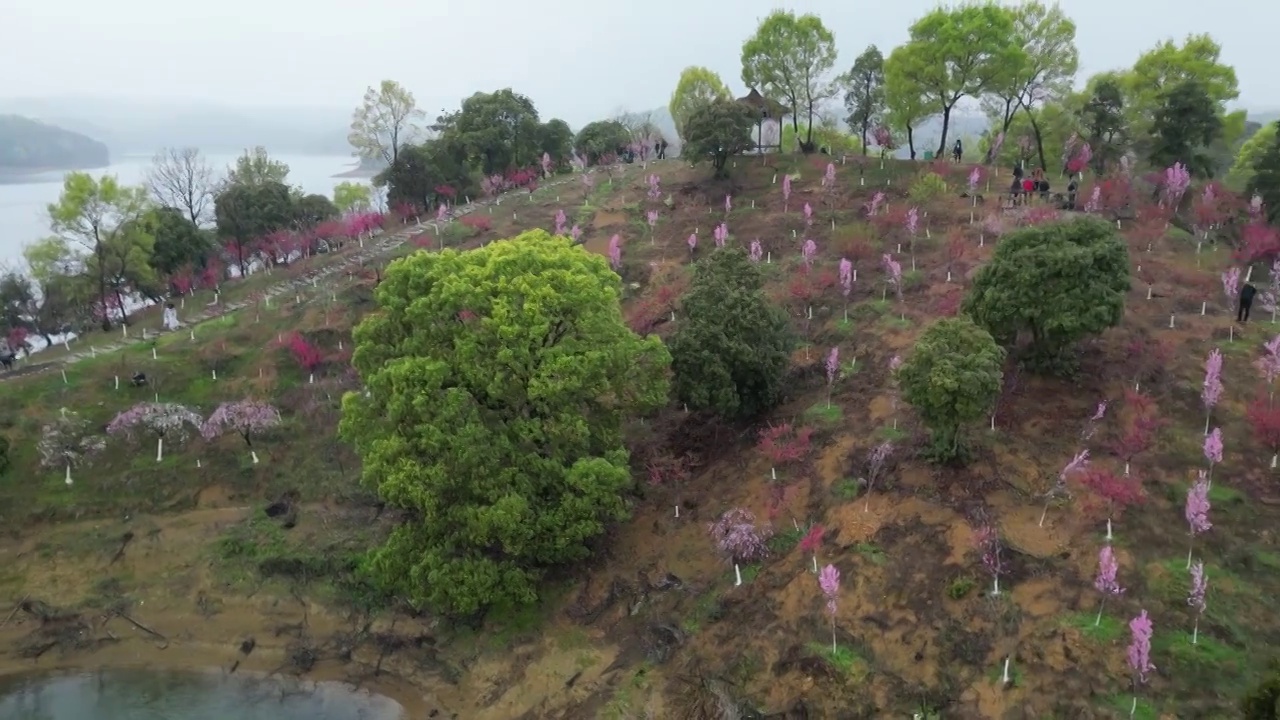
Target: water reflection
(120, 694)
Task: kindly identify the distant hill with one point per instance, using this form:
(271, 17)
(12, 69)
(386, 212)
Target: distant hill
(28, 145)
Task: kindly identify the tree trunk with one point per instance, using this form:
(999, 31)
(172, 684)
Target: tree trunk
(1035, 130)
(911, 142)
(102, 288)
(946, 124)
(124, 317)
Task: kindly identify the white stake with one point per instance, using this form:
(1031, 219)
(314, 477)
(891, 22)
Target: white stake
(1203, 306)
(1006, 677)
(254, 455)
(1170, 322)
(159, 449)
(153, 354)
(197, 462)
(64, 377)
(68, 473)
(1148, 292)
(117, 382)
(214, 374)
(737, 575)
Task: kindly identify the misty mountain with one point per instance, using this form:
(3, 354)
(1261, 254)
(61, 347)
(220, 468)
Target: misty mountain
(27, 145)
(130, 127)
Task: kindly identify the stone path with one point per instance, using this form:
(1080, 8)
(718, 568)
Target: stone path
(305, 288)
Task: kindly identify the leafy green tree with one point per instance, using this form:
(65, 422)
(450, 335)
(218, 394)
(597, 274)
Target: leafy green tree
(906, 106)
(1103, 118)
(716, 131)
(245, 213)
(177, 241)
(1158, 70)
(101, 217)
(66, 294)
(864, 98)
(496, 384)
(419, 171)
(957, 52)
(311, 210)
(1185, 125)
(1044, 70)
(257, 167)
(1266, 175)
(555, 139)
(1250, 152)
(1059, 282)
(384, 122)
(732, 345)
(500, 130)
(353, 197)
(1263, 701)
(788, 58)
(697, 87)
(600, 138)
(19, 301)
(952, 378)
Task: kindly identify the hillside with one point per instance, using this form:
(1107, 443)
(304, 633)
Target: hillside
(31, 146)
(655, 624)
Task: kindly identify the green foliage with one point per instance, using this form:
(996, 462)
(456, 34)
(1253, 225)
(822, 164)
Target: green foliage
(352, 197)
(255, 167)
(825, 135)
(32, 145)
(716, 131)
(384, 122)
(952, 377)
(698, 86)
(1185, 125)
(556, 139)
(1266, 175)
(496, 384)
(178, 242)
(929, 187)
(311, 210)
(601, 137)
(1263, 702)
(1103, 118)
(1168, 64)
(499, 130)
(959, 587)
(788, 59)
(864, 97)
(1060, 282)
(4, 455)
(732, 346)
(245, 212)
(420, 169)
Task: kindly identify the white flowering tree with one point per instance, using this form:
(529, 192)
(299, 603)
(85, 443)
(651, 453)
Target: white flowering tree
(160, 419)
(67, 442)
(246, 417)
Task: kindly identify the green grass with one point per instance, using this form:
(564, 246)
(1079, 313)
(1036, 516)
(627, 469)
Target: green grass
(705, 609)
(871, 552)
(1107, 630)
(1122, 703)
(960, 587)
(846, 489)
(824, 416)
(844, 659)
(783, 542)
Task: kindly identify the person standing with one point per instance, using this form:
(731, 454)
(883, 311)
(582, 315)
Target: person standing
(957, 151)
(1246, 302)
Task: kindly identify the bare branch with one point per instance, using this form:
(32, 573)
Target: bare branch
(180, 178)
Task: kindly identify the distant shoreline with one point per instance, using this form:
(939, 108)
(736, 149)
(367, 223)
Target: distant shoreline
(356, 172)
(16, 175)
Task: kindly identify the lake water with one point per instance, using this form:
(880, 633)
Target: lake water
(154, 695)
(23, 217)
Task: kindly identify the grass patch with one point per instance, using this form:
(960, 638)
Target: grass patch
(996, 674)
(824, 415)
(847, 489)
(1123, 704)
(891, 433)
(845, 660)
(1206, 656)
(1107, 630)
(623, 704)
(706, 609)
(959, 587)
(783, 542)
(871, 552)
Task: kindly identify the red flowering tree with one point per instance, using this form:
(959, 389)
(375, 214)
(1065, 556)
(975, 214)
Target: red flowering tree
(665, 469)
(1110, 491)
(785, 446)
(1140, 422)
(308, 356)
(477, 222)
(1264, 421)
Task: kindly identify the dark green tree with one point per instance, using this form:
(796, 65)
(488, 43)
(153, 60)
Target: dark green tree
(178, 243)
(864, 98)
(1265, 182)
(500, 130)
(421, 170)
(1186, 123)
(1263, 702)
(245, 212)
(311, 210)
(716, 131)
(1059, 282)
(952, 378)
(496, 383)
(556, 139)
(601, 138)
(1104, 124)
(732, 346)
(4, 455)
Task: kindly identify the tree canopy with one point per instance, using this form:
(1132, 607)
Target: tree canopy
(383, 122)
(717, 130)
(864, 94)
(698, 86)
(496, 384)
(603, 137)
(788, 59)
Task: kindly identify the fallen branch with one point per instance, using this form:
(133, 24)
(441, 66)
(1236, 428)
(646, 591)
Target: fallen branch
(145, 629)
(15, 610)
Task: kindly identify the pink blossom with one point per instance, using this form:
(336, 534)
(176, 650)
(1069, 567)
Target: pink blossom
(1231, 283)
(693, 242)
(877, 204)
(1139, 654)
(728, 203)
(561, 222)
(1212, 379)
(1213, 446)
(846, 277)
(575, 232)
(721, 233)
(247, 417)
(829, 581)
(1105, 582)
(833, 365)
(615, 252)
(807, 251)
(652, 218)
(1198, 506)
(757, 251)
(829, 178)
(736, 535)
(913, 221)
(1199, 585)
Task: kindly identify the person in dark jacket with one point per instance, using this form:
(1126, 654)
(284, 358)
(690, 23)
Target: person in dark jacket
(957, 152)
(1246, 302)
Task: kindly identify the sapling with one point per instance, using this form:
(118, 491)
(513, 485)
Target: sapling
(1078, 463)
(987, 540)
(807, 253)
(756, 251)
(246, 417)
(728, 204)
(575, 232)
(784, 445)
(846, 284)
(811, 541)
(68, 442)
(1105, 582)
(738, 538)
(1118, 491)
(833, 366)
(895, 363)
(562, 222)
(786, 192)
(912, 224)
(1091, 426)
(693, 243)
(1269, 366)
(720, 234)
(163, 419)
(1199, 584)
(829, 582)
(652, 218)
(1213, 451)
(808, 216)
(615, 252)
(1212, 391)
(876, 463)
(1139, 654)
(1197, 512)
(893, 275)
(1231, 285)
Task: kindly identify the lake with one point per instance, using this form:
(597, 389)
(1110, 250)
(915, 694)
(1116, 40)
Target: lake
(154, 695)
(23, 218)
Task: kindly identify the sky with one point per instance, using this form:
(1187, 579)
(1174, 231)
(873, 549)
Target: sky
(580, 60)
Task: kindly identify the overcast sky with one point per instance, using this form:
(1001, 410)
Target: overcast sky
(578, 59)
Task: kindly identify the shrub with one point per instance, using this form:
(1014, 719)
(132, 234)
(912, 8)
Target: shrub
(478, 222)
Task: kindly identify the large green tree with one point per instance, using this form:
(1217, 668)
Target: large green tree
(1185, 125)
(788, 58)
(353, 197)
(732, 346)
(1248, 155)
(1058, 282)
(1102, 116)
(958, 52)
(496, 383)
(952, 378)
(717, 131)
(906, 105)
(257, 167)
(1265, 182)
(864, 97)
(556, 140)
(101, 217)
(66, 293)
(1167, 64)
(178, 242)
(500, 130)
(384, 122)
(600, 138)
(421, 172)
(244, 213)
(697, 87)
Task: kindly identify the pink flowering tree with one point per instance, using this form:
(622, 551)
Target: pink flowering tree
(846, 284)
(1196, 599)
(893, 276)
(833, 369)
(877, 463)
(1139, 654)
(720, 234)
(786, 192)
(1105, 582)
(575, 232)
(655, 187)
(987, 540)
(546, 165)
(692, 242)
(248, 418)
(651, 218)
(1231, 286)
(829, 583)
(1177, 179)
(808, 251)
(68, 442)
(615, 253)
(808, 215)
(562, 223)
(1269, 367)
(811, 541)
(1213, 451)
(1079, 463)
(757, 251)
(728, 204)
(738, 537)
(829, 187)
(1197, 512)
(1212, 391)
(160, 419)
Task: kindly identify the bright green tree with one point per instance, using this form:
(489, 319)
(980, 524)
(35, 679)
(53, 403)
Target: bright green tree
(1265, 182)
(952, 378)
(245, 212)
(555, 139)
(716, 131)
(1167, 64)
(353, 197)
(1058, 282)
(1252, 149)
(496, 382)
(257, 167)
(697, 86)
(384, 122)
(101, 217)
(732, 346)
(500, 130)
(864, 92)
(1102, 116)
(1185, 126)
(906, 106)
(958, 52)
(788, 58)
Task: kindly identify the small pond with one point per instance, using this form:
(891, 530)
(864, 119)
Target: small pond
(120, 694)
